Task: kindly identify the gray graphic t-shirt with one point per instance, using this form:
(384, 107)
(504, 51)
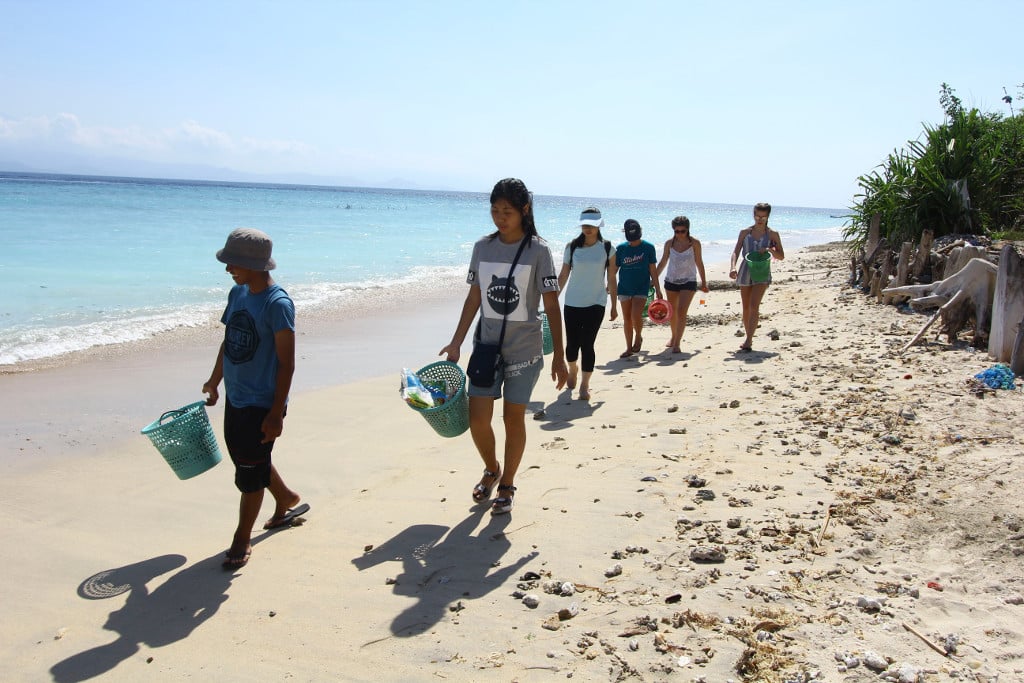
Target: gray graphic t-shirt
(517, 296)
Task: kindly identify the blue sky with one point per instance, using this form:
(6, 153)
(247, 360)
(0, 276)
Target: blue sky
(738, 102)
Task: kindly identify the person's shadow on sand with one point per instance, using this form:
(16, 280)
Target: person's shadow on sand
(439, 572)
(168, 614)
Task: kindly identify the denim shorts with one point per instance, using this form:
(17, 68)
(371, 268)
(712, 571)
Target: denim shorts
(517, 379)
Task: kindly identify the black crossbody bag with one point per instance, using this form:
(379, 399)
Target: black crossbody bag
(485, 362)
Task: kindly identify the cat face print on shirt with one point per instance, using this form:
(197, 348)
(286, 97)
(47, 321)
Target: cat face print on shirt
(503, 295)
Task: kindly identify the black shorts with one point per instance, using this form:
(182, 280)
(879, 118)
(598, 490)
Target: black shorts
(680, 286)
(243, 432)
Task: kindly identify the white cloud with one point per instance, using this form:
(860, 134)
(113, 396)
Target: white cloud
(188, 141)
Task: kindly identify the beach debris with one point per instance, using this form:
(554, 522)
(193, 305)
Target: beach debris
(531, 600)
(677, 430)
(999, 376)
(613, 571)
(870, 605)
(695, 482)
(708, 554)
(61, 632)
(649, 478)
(530, 576)
(774, 335)
(552, 623)
(874, 661)
(642, 625)
(673, 408)
(569, 612)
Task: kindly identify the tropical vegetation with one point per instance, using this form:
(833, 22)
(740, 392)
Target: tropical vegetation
(965, 175)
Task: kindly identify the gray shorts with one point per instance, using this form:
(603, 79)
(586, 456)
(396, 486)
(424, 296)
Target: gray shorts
(518, 380)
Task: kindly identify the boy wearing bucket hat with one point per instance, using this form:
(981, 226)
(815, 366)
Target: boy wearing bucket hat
(637, 262)
(256, 360)
(760, 243)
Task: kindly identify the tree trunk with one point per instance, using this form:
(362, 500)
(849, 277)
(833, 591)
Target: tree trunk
(924, 250)
(883, 276)
(869, 266)
(874, 229)
(959, 256)
(902, 271)
(1007, 305)
(962, 296)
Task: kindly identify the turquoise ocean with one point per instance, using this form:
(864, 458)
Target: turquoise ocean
(88, 261)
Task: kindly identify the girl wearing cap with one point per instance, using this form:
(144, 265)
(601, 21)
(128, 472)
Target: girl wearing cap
(587, 277)
(682, 256)
(510, 272)
(758, 237)
(636, 260)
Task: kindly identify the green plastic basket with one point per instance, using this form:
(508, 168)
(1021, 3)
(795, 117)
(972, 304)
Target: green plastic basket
(186, 440)
(759, 266)
(545, 328)
(452, 417)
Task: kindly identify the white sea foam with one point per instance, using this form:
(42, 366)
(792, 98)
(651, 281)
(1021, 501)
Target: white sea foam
(23, 343)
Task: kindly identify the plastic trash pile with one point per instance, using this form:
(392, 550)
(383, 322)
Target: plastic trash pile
(422, 394)
(999, 376)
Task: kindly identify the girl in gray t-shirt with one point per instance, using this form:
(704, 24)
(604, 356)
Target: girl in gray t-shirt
(499, 293)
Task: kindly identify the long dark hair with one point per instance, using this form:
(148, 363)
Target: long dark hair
(581, 238)
(513, 190)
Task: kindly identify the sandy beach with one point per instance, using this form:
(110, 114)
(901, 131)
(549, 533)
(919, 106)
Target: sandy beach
(821, 508)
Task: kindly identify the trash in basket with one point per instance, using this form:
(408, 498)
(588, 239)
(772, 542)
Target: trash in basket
(759, 266)
(451, 417)
(185, 439)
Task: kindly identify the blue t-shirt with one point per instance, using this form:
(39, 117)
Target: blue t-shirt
(587, 285)
(634, 267)
(250, 354)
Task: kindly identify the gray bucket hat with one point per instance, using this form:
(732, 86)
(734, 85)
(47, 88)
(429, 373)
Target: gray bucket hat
(248, 248)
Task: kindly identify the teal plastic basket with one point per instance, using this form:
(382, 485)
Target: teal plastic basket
(186, 440)
(545, 328)
(452, 417)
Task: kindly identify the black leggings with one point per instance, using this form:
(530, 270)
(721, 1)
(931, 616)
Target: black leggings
(581, 326)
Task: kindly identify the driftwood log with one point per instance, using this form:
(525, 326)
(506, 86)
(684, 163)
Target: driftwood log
(924, 250)
(962, 297)
(1006, 340)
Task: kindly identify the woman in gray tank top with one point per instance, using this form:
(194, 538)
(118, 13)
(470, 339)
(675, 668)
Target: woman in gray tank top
(757, 238)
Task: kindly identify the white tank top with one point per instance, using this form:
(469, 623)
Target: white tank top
(681, 266)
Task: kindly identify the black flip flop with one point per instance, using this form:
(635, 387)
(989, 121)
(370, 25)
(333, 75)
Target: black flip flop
(288, 518)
